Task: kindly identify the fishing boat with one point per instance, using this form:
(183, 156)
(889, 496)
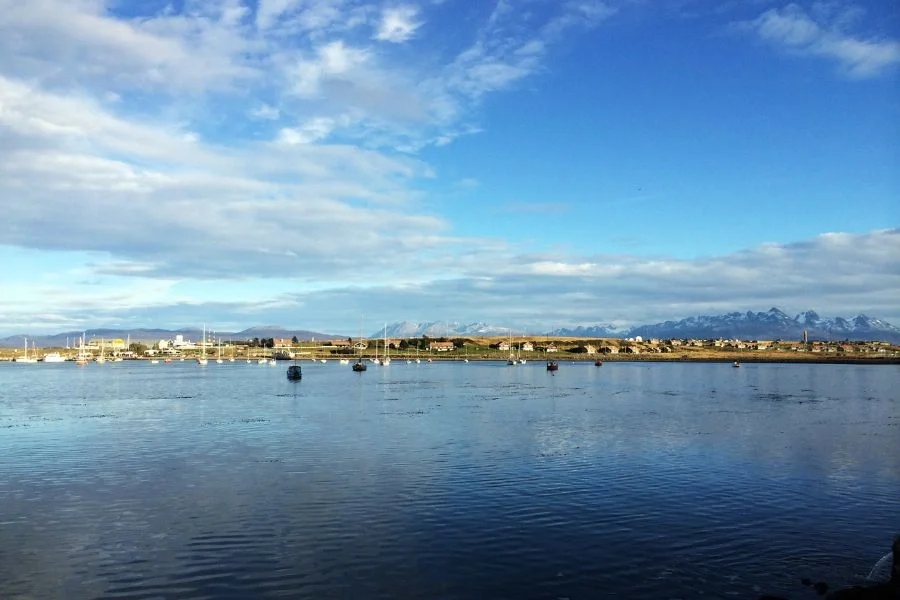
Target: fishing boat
(294, 373)
(552, 365)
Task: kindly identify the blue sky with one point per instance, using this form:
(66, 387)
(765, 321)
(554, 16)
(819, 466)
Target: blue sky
(531, 164)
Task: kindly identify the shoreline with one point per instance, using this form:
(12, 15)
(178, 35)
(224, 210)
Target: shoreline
(846, 360)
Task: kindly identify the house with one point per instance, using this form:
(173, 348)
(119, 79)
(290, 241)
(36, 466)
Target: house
(361, 345)
(440, 346)
(527, 347)
(551, 347)
(282, 343)
(503, 346)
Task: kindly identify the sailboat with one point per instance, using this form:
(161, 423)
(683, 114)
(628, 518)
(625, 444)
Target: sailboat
(219, 351)
(387, 359)
(359, 366)
(82, 359)
(202, 360)
(512, 359)
(101, 359)
(26, 358)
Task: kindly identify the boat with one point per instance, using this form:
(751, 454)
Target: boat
(598, 363)
(202, 360)
(53, 357)
(219, 360)
(344, 361)
(387, 359)
(512, 358)
(294, 373)
(359, 366)
(26, 358)
(552, 365)
(736, 364)
(82, 359)
(101, 359)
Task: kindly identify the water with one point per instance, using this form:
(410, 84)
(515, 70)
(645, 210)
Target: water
(478, 480)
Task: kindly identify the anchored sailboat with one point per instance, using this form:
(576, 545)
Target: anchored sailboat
(202, 360)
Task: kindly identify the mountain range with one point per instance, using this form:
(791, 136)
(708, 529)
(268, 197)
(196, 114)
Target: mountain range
(769, 325)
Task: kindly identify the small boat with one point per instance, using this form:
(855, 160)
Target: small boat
(359, 366)
(53, 357)
(598, 363)
(552, 365)
(345, 361)
(294, 373)
(736, 364)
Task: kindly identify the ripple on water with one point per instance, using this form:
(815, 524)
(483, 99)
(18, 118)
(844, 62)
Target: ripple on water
(473, 483)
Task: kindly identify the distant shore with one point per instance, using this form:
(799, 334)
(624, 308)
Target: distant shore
(791, 359)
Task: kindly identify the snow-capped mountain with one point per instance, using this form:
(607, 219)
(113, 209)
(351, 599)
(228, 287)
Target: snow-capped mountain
(769, 325)
(435, 329)
(592, 331)
(772, 324)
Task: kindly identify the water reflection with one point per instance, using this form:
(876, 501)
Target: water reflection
(451, 481)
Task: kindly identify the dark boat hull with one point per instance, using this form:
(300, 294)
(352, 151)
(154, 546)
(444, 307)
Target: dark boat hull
(294, 373)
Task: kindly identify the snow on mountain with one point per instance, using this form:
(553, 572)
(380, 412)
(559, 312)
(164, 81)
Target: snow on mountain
(773, 324)
(769, 325)
(436, 329)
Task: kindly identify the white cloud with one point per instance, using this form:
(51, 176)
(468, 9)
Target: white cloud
(264, 111)
(794, 30)
(311, 131)
(398, 24)
(332, 60)
(72, 42)
(849, 273)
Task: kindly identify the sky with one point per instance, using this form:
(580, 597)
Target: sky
(330, 164)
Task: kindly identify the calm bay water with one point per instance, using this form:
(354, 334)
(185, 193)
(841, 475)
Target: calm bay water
(454, 480)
